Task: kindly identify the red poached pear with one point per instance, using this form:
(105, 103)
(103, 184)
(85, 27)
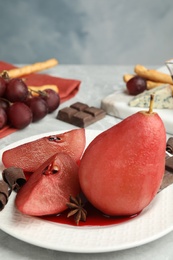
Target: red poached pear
(49, 188)
(31, 155)
(122, 168)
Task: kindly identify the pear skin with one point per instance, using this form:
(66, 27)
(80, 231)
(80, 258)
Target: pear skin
(122, 168)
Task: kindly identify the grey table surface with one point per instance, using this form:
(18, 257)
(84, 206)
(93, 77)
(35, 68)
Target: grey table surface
(96, 83)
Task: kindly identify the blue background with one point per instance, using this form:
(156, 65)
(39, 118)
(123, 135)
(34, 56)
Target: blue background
(121, 32)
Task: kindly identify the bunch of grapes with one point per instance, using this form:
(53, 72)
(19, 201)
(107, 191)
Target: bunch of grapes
(19, 106)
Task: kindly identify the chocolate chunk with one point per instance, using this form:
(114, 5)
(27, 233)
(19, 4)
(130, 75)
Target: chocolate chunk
(80, 114)
(169, 145)
(81, 119)
(4, 194)
(94, 111)
(166, 156)
(4, 188)
(169, 164)
(14, 177)
(167, 180)
(3, 201)
(79, 106)
(66, 114)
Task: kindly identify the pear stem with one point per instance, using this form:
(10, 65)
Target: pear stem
(151, 104)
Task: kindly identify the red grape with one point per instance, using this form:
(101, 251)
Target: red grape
(16, 90)
(19, 115)
(2, 86)
(52, 99)
(38, 107)
(4, 103)
(136, 85)
(3, 118)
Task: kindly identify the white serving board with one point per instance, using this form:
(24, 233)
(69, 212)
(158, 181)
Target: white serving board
(116, 104)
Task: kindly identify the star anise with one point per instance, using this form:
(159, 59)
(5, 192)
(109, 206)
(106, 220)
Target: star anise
(76, 209)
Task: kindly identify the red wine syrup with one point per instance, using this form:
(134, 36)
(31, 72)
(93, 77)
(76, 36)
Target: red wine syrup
(94, 218)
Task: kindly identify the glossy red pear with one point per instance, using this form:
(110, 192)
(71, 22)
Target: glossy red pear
(122, 168)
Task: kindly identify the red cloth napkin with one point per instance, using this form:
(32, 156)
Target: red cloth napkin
(68, 88)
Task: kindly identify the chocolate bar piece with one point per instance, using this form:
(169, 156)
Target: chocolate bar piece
(168, 175)
(168, 157)
(167, 180)
(169, 145)
(3, 194)
(80, 114)
(14, 177)
(169, 164)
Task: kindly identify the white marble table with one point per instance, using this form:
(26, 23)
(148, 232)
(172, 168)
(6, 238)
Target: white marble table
(97, 82)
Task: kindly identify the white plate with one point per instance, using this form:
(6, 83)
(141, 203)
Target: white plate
(154, 222)
(116, 104)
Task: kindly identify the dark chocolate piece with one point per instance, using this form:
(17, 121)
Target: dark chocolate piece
(168, 175)
(80, 114)
(4, 194)
(3, 201)
(82, 119)
(169, 164)
(66, 114)
(14, 177)
(94, 111)
(167, 156)
(79, 106)
(169, 145)
(167, 180)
